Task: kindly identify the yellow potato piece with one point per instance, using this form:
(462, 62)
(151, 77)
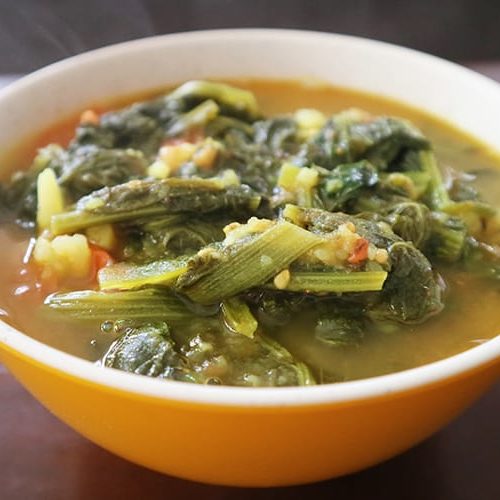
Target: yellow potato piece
(50, 198)
(103, 236)
(66, 256)
(159, 170)
(175, 156)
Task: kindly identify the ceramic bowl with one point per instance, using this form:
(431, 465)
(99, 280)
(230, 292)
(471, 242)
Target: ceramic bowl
(242, 436)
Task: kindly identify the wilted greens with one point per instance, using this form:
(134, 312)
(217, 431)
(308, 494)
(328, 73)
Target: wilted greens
(195, 230)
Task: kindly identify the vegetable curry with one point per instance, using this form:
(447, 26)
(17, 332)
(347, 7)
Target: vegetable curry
(253, 234)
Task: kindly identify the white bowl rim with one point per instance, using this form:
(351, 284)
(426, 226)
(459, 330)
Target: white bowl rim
(341, 392)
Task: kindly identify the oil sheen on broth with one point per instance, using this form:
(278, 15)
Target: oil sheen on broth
(471, 315)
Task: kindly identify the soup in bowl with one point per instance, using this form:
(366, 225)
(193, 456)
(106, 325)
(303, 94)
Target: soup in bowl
(283, 259)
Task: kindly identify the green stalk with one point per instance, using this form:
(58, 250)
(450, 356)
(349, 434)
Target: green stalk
(139, 199)
(221, 124)
(420, 180)
(336, 282)
(303, 373)
(196, 118)
(250, 263)
(145, 304)
(125, 276)
(238, 317)
(438, 195)
(71, 222)
(226, 95)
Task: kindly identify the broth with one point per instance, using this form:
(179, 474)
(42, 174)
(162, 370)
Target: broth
(471, 315)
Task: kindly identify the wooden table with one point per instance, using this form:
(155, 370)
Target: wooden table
(41, 458)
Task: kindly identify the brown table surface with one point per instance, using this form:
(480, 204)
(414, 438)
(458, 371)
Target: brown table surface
(41, 458)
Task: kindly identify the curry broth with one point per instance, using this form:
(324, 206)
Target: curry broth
(471, 315)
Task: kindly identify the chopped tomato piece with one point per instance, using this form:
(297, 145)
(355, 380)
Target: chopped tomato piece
(100, 258)
(193, 136)
(360, 252)
(90, 117)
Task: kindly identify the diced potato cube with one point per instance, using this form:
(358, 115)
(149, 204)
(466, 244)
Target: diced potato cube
(50, 198)
(102, 236)
(65, 256)
(229, 178)
(159, 170)
(206, 155)
(309, 121)
(294, 179)
(282, 279)
(307, 178)
(175, 156)
(288, 176)
(293, 214)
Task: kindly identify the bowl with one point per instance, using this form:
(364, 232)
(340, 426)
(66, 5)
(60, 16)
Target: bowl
(242, 436)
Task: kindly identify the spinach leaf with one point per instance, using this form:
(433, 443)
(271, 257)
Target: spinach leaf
(412, 292)
(354, 135)
(410, 221)
(18, 197)
(448, 237)
(140, 127)
(147, 349)
(232, 101)
(89, 168)
(346, 182)
(338, 328)
(169, 237)
(79, 171)
(139, 199)
(234, 359)
(212, 356)
(256, 153)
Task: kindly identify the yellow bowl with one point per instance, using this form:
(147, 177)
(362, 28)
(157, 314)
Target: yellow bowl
(241, 436)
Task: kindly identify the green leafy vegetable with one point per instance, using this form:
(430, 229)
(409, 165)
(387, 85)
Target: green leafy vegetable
(124, 276)
(90, 168)
(448, 237)
(143, 304)
(170, 237)
(138, 127)
(137, 199)
(211, 357)
(233, 101)
(148, 350)
(19, 196)
(238, 317)
(238, 360)
(345, 182)
(277, 308)
(222, 272)
(325, 281)
(354, 135)
(412, 292)
(437, 194)
(410, 221)
(339, 329)
(197, 117)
